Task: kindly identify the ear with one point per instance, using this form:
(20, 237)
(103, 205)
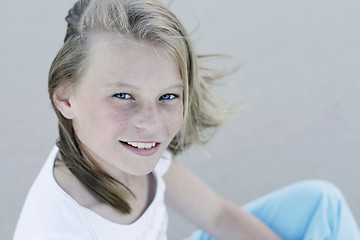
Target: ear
(61, 98)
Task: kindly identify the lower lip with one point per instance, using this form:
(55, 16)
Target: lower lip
(142, 152)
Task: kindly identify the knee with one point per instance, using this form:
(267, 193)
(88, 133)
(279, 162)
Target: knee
(321, 189)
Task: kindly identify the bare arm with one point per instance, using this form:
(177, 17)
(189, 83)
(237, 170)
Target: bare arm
(190, 197)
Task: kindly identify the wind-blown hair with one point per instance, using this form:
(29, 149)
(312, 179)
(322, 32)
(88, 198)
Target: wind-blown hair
(138, 20)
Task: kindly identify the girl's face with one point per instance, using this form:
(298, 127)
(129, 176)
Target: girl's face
(128, 105)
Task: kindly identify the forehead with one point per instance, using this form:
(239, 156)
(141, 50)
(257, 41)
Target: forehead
(115, 58)
(120, 46)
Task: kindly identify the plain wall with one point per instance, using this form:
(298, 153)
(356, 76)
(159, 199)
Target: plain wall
(299, 87)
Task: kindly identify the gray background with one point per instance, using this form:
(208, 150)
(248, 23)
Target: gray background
(299, 87)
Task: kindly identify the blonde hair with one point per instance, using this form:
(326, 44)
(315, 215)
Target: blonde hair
(147, 20)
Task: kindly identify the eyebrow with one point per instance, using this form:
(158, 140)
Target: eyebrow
(128, 85)
(120, 84)
(178, 85)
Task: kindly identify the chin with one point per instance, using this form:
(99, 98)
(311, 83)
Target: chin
(141, 172)
(142, 166)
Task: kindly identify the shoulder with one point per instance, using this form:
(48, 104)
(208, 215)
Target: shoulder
(48, 213)
(50, 217)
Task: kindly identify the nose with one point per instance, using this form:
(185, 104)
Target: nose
(147, 118)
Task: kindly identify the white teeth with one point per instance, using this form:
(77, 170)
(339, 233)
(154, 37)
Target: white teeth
(141, 145)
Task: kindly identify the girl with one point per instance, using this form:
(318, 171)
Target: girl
(129, 96)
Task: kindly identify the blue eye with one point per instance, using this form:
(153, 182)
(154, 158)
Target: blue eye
(167, 96)
(122, 96)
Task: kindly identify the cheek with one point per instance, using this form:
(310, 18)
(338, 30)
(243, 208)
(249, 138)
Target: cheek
(175, 121)
(119, 118)
(94, 121)
(87, 127)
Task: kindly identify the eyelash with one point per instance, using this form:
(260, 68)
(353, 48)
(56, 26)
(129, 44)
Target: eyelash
(125, 96)
(172, 96)
(168, 96)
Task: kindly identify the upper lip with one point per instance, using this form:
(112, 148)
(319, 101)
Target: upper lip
(133, 141)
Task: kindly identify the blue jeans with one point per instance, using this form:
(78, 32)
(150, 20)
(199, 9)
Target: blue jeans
(313, 210)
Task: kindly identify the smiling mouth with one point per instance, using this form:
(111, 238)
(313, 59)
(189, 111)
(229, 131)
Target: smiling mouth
(141, 145)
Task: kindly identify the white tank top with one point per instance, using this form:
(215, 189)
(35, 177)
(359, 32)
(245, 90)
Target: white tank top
(49, 212)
